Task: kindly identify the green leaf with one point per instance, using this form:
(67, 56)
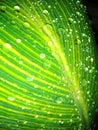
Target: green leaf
(48, 66)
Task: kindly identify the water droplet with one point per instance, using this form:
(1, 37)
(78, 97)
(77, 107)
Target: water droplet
(88, 92)
(47, 28)
(91, 59)
(11, 98)
(49, 6)
(71, 101)
(71, 120)
(61, 122)
(18, 40)
(61, 31)
(26, 24)
(47, 64)
(42, 55)
(45, 11)
(77, 41)
(36, 116)
(29, 78)
(17, 8)
(22, 107)
(25, 122)
(79, 14)
(50, 43)
(3, 8)
(67, 96)
(59, 100)
(13, 22)
(70, 20)
(20, 62)
(35, 86)
(7, 46)
(86, 69)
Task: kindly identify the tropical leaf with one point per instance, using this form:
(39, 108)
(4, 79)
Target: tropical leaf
(48, 66)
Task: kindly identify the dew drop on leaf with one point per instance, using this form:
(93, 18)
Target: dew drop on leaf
(3, 8)
(70, 20)
(20, 62)
(35, 86)
(91, 59)
(18, 40)
(59, 100)
(42, 55)
(61, 122)
(36, 116)
(7, 46)
(45, 11)
(26, 24)
(77, 41)
(11, 98)
(29, 78)
(17, 8)
(25, 122)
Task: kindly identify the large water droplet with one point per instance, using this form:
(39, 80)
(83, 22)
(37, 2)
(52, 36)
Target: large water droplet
(7, 46)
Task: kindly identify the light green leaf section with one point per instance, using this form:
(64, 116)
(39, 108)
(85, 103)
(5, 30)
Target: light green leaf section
(48, 66)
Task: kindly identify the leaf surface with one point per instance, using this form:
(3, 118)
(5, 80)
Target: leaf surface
(48, 66)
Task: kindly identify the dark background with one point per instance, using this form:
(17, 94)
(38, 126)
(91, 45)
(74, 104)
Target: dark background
(92, 12)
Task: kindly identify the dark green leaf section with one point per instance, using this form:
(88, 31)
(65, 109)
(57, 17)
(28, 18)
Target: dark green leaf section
(48, 66)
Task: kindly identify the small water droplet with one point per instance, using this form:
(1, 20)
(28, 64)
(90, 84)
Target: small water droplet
(50, 43)
(36, 116)
(71, 120)
(20, 62)
(17, 8)
(35, 86)
(77, 41)
(88, 92)
(3, 8)
(49, 6)
(45, 11)
(42, 55)
(18, 40)
(79, 14)
(47, 28)
(13, 22)
(61, 122)
(59, 100)
(25, 122)
(86, 69)
(47, 64)
(29, 78)
(11, 98)
(91, 59)
(70, 20)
